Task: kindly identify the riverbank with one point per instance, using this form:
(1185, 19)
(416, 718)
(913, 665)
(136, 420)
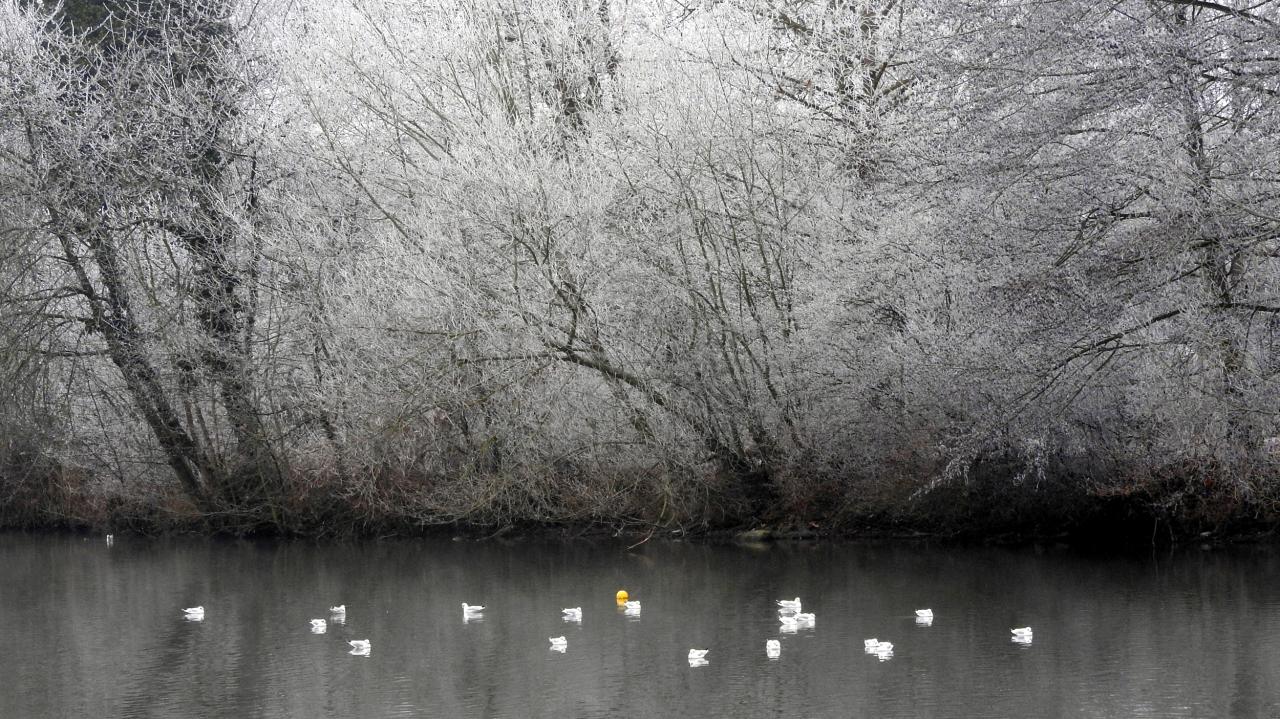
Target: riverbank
(986, 508)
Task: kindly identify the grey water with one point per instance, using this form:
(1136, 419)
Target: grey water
(88, 630)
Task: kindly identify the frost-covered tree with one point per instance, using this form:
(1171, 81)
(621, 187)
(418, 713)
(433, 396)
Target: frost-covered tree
(1099, 192)
(143, 190)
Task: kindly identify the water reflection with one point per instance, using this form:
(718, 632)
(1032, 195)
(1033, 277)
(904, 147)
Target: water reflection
(92, 631)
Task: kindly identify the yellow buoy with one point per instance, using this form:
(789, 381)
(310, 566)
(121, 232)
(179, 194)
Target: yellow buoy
(622, 597)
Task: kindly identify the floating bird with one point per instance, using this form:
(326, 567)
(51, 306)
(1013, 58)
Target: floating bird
(471, 611)
(789, 621)
(319, 626)
(773, 648)
(1022, 632)
(360, 647)
(194, 613)
(340, 609)
(559, 642)
(806, 618)
(870, 644)
(698, 654)
(572, 614)
(632, 606)
(111, 539)
(884, 651)
(791, 605)
(924, 613)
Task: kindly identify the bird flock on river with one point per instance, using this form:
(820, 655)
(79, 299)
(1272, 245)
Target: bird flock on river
(791, 618)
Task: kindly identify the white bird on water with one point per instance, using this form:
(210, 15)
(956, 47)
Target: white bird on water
(870, 644)
(1021, 635)
(360, 647)
(471, 611)
(884, 651)
(924, 613)
(806, 618)
(698, 654)
(340, 609)
(572, 614)
(195, 614)
(791, 605)
(773, 648)
(632, 607)
(319, 626)
(559, 642)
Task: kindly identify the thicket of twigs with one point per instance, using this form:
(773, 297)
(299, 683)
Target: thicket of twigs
(963, 267)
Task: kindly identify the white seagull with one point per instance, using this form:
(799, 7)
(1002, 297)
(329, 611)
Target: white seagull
(773, 648)
(572, 614)
(870, 644)
(791, 605)
(924, 613)
(632, 606)
(1022, 632)
(340, 609)
(559, 642)
(695, 654)
(319, 626)
(806, 618)
(194, 613)
(360, 647)
(471, 611)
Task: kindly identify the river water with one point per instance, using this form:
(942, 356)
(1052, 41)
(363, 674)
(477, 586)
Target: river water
(91, 630)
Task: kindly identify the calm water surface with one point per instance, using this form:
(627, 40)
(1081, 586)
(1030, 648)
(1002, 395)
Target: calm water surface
(91, 630)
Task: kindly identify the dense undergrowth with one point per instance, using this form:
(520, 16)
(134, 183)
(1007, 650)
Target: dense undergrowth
(993, 502)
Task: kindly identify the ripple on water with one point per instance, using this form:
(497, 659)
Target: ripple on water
(91, 631)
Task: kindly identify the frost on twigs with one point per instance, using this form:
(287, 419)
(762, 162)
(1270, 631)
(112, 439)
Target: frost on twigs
(670, 265)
